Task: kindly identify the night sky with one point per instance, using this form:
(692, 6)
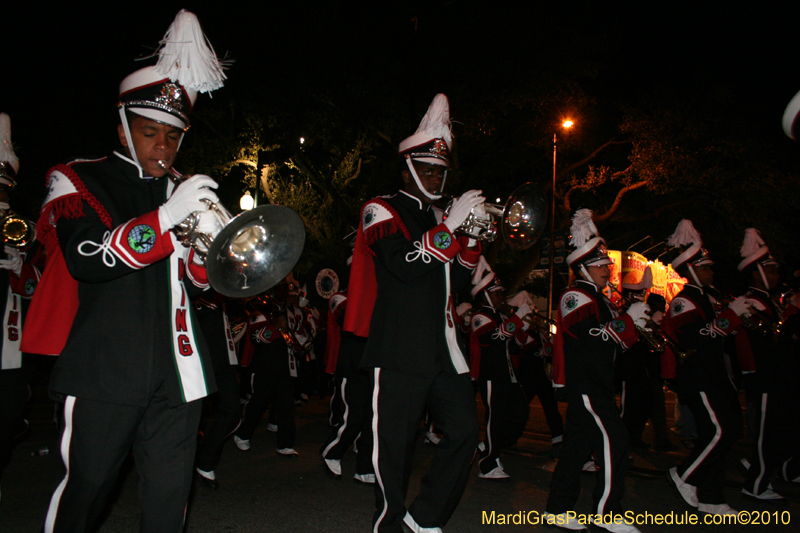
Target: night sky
(64, 63)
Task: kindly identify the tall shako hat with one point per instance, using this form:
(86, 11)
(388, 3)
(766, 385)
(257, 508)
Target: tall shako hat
(166, 92)
(484, 278)
(756, 254)
(688, 240)
(791, 124)
(432, 141)
(590, 248)
(9, 164)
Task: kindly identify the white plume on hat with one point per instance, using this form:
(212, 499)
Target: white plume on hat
(481, 276)
(186, 55)
(522, 297)
(754, 249)
(685, 234)
(436, 122)
(583, 228)
(6, 148)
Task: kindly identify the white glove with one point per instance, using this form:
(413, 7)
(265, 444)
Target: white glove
(13, 260)
(639, 312)
(186, 199)
(523, 310)
(462, 208)
(741, 305)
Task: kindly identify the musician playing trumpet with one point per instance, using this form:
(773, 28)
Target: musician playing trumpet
(704, 381)
(769, 380)
(590, 334)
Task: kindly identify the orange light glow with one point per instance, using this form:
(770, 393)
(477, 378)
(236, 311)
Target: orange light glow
(567, 124)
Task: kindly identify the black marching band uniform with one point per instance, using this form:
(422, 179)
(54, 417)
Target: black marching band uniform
(115, 305)
(18, 279)
(704, 379)
(590, 333)
(406, 268)
(770, 375)
(495, 337)
(355, 390)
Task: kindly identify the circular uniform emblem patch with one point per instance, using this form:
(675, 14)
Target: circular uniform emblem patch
(268, 334)
(571, 302)
(327, 283)
(30, 285)
(442, 240)
(511, 327)
(141, 238)
(677, 307)
(618, 325)
(369, 215)
(723, 323)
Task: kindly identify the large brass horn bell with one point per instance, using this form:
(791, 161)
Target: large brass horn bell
(521, 219)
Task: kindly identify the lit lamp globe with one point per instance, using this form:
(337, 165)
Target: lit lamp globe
(246, 202)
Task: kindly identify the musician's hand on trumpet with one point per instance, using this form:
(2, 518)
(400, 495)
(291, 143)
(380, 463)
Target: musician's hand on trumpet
(193, 195)
(639, 313)
(461, 209)
(742, 305)
(12, 260)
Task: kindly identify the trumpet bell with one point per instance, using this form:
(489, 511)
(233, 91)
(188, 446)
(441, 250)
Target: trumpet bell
(255, 251)
(524, 217)
(16, 231)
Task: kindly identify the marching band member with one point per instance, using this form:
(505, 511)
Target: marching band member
(704, 381)
(590, 334)
(772, 383)
(270, 352)
(354, 389)
(18, 277)
(115, 299)
(494, 337)
(406, 269)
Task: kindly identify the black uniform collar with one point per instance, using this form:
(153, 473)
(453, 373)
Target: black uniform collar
(125, 161)
(692, 286)
(589, 284)
(407, 198)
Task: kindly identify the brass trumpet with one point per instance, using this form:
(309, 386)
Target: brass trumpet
(521, 218)
(755, 319)
(252, 252)
(17, 232)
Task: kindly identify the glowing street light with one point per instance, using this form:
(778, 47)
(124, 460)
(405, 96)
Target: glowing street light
(246, 202)
(567, 124)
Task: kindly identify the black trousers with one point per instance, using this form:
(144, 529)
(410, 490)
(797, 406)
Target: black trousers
(534, 381)
(776, 439)
(271, 384)
(97, 438)
(719, 422)
(399, 402)
(506, 415)
(14, 392)
(226, 409)
(593, 425)
(356, 394)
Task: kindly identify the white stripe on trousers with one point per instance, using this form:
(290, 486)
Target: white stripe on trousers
(343, 425)
(376, 447)
(52, 511)
(606, 455)
(688, 472)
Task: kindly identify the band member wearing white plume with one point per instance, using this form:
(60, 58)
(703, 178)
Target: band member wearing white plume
(704, 381)
(407, 267)
(590, 334)
(116, 308)
(769, 373)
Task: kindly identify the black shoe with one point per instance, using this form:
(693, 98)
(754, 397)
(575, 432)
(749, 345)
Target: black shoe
(212, 484)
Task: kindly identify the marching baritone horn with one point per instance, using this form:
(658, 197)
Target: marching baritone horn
(522, 218)
(252, 252)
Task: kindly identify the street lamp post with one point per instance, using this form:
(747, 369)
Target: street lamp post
(566, 125)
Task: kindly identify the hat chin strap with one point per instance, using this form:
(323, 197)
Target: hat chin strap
(763, 277)
(123, 118)
(694, 276)
(587, 277)
(419, 183)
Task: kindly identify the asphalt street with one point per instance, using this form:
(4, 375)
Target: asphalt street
(263, 492)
